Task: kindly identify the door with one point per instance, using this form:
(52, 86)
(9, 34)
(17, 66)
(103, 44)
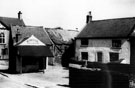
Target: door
(99, 56)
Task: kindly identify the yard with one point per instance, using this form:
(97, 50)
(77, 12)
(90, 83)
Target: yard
(54, 77)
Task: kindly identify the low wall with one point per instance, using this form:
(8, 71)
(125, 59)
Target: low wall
(89, 78)
(116, 67)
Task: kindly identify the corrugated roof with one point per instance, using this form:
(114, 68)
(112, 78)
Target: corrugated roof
(121, 27)
(26, 32)
(7, 21)
(60, 36)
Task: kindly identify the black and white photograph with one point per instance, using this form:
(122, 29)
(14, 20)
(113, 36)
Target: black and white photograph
(67, 43)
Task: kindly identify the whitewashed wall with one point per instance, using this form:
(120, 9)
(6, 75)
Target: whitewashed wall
(4, 62)
(2, 46)
(104, 46)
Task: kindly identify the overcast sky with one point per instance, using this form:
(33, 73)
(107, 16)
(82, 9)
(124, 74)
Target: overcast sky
(69, 14)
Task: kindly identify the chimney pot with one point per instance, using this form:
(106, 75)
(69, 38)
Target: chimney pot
(20, 15)
(89, 17)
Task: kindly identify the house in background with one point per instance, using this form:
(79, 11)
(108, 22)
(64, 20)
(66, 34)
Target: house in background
(32, 48)
(61, 40)
(105, 41)
(6, 39)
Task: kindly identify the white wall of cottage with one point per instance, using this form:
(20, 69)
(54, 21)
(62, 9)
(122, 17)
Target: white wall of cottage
(104, 46)
(2, 46)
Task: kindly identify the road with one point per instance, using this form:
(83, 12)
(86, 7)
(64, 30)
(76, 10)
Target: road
(54, 77)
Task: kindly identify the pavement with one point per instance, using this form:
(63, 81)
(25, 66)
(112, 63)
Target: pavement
(54, 77)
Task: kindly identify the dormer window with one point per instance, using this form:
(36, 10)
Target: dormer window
(116, 43)
(84, 42)
(2, 38)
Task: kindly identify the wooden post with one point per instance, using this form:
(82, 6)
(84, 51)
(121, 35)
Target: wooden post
(46, 63)
(20, 65)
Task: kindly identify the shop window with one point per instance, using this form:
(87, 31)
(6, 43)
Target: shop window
(114, 56)
(99, 56)
(2, 38)
(84, 55)
(84, 42)
(116, 43)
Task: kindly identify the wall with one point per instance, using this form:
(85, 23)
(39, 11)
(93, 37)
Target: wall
(104, 46)
(86, 78)
(4, 58)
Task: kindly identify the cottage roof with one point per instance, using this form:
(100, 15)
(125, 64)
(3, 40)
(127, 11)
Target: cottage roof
(26, 32)
(61, 36)
(120, 27)
(7, 21)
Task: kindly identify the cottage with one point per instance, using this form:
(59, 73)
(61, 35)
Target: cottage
(106, 41)
(5, 38)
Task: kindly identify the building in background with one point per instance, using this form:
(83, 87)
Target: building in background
(6, 39)
(61, 40)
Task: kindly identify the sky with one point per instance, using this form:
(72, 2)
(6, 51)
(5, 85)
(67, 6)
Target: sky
(68, 14)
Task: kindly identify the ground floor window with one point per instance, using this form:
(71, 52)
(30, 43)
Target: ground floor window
(4, 51)
(114, 56)
(84, 55)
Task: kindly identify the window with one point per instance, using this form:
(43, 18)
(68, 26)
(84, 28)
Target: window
(99, 56)
(116, 43)
(2, 37)
(84, 55)
(84, 42)
(114, 56)
(4, 51)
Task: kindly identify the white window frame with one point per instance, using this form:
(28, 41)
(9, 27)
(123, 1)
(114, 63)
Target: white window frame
(2, 38)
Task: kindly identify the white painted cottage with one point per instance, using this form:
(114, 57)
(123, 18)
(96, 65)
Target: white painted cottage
(106, 41)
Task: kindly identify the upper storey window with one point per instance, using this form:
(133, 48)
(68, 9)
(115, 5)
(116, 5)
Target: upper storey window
(2, 38)
(84, 42)
(116, 43)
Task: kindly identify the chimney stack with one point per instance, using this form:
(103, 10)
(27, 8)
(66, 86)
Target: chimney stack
(20, 15)
(89, 17)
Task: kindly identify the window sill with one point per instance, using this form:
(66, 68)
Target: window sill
(115, 47)
(84, 45)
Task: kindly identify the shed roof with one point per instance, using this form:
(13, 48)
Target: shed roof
(120, 27)
(26, 32)
(31, 41)
(8, 21)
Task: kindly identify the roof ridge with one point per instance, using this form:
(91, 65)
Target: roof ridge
(9, 17)
(120, 27)
(113, 19)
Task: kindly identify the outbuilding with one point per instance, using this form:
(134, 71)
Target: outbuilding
(32, 55)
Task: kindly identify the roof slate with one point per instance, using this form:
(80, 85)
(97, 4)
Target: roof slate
(26, 32)
(7, 21)
(120, 27)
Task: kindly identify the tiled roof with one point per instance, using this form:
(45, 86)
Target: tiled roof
(26, 32)
(7, 21)
(61, 36)
(120, 27)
